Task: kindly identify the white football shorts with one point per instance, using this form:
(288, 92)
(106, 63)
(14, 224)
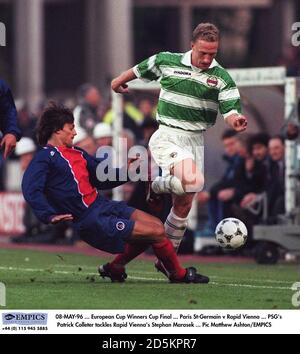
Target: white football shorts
(169, 146)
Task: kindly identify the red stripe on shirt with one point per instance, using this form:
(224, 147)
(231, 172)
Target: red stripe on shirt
(78, 166)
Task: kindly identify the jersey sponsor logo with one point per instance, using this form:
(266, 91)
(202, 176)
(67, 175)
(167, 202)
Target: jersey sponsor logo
(120, 225)
(212, 81)
(182, 73)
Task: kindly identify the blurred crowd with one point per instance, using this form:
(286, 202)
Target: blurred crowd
(251, 188)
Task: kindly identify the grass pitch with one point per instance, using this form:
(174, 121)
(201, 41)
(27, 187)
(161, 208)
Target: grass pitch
(40, 280)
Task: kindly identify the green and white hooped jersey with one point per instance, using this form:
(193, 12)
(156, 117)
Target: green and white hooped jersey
(190, 97)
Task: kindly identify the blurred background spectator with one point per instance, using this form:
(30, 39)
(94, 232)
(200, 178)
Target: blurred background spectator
(88, 112)
(102, 134)
(84, 141)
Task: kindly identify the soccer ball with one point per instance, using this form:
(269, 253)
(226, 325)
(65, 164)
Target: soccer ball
(231, 233)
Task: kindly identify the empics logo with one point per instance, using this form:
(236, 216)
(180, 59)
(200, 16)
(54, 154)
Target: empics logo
(2, 35)
(30, 318)
(2, 294)
(9, 317)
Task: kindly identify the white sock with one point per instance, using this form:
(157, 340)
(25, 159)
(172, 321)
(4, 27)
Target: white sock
(168, 184)
(175, 228)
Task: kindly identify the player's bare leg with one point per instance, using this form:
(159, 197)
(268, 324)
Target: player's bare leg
(191, 180)
(141, 215)
(147, 231)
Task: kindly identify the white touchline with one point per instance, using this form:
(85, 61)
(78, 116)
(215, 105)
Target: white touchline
(154, 273)
(255, 280)
(143, 278)
(51, 271)
(253, 286)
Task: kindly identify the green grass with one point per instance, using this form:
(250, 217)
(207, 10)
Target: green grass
(39, 280)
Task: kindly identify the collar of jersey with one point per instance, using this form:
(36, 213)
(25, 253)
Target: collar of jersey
(59, 147)
(187, 60)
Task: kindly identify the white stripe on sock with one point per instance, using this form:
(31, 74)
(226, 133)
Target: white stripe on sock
(175, 228)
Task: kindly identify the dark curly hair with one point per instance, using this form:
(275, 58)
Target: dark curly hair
(53, 119)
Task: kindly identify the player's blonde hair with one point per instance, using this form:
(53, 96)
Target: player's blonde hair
(207, 32)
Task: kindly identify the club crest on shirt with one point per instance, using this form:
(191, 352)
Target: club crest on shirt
(120, 225)
(212, 81)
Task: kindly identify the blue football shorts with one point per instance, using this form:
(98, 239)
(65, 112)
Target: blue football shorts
(107, 225)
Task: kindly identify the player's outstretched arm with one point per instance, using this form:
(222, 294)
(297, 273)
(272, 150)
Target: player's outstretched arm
(33, 187)
(236, 121)
(8, 123)
(119, 84)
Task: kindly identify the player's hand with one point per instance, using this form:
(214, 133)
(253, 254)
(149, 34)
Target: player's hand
(248, 199)
(226, 194)
(203, 197)
(8, 143)
(60, 218)
(119, 88)
(238, 122)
